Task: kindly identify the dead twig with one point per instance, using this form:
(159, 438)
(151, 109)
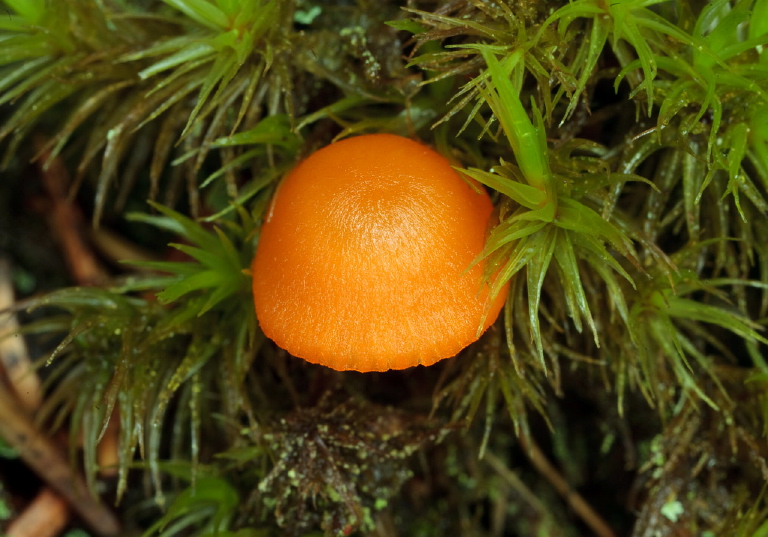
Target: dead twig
(45, 458)
(13, 350)
(46, 516)
(66, 221)
(17, 403)
(574, 499)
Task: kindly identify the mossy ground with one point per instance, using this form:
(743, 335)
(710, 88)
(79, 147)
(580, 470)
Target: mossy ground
(623, 391)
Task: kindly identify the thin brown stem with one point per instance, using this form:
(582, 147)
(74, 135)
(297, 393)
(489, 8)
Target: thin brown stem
(574, 499)
(44, 457)
(46, 516)
(67, 222)
(13, 350)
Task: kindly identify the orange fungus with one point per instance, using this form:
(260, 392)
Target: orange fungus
(364, 258)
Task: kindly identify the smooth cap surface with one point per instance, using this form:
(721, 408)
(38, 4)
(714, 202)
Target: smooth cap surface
(362, 262)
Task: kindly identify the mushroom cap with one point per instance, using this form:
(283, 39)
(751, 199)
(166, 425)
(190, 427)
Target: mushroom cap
(365, 259)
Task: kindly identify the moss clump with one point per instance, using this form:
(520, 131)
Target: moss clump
(338, 463)
(625, 145)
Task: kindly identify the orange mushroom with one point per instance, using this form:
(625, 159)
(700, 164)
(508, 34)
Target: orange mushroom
(365, 259)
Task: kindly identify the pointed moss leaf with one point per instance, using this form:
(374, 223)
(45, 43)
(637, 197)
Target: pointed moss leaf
(526, 195)
(335, 109)
(576, 216)
(197, 356)
(631, 22)
(142, 283)
(627, 28)
(691, 309)
(218, 270)
(597, 248)
(84, 111)
(177, 319)
(184, 226)
(544, 214)
(74, 298)
(678, 97)
(232, 164)
(41, 78)
(259, 17)
(201, 11)
(224, 68)
(48, 324)
(520, 257)
(673, 344)
(173, 267)
(168, 91)
(718, 25)
(37, 103)
(615, 292)
(407, 25)
(32, 11)
(505, 233)
(537, 269)
(274, 129)
(758, 22)
(251, 189)
(14, 24)
(228, 248)
(225, 290)
(212, 258)
(230, 7)
(595, 44)
(22, 47)
(76, 331)
(566, 259)
(162, 48)
(514, 404)
(202, 280)
(653, 21)
(726, 53)
(207, 505)
(192, 51)
(162, 222)
(23, 72)
(705, 363)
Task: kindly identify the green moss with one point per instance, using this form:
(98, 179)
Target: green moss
(626, 148)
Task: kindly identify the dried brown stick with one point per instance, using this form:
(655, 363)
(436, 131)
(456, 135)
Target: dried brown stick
(512, 479)
(46, 516)
(67, 222)
(48, 513)
(13, 350)
(574, 499)
(17, 403)
(45, 458)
